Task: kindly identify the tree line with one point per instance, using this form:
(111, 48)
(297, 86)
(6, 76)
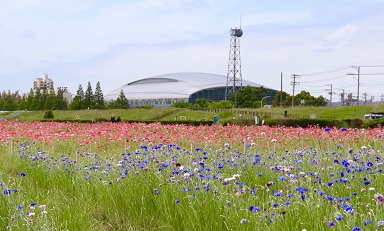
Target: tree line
(247, 97)
(45, 99)
(250, 97)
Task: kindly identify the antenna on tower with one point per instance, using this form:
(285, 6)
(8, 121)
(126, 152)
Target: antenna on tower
(234, 78)
(240, 21)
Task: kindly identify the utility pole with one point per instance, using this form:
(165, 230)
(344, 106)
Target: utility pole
(330, 93)
(365, 98)
(294, 83)
(281, 89)
(342, 95)
(358, 81)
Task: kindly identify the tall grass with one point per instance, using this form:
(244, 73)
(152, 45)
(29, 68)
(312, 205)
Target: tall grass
(152, 185)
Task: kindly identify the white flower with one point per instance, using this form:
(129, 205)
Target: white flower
(187, 175)
(274, 140)
(236, 175)
(228, 179)
(31, 214)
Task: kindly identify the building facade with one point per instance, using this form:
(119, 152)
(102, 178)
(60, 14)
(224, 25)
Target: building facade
(163, 90)
(44, 82)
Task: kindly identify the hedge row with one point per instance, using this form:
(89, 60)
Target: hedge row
(303, 122)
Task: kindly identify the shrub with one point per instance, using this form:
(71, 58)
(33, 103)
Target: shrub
(48, 115)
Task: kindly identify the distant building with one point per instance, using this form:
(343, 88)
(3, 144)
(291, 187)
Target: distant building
(41, 83)
(163, 90)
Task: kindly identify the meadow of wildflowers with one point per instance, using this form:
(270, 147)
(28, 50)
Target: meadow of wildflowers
(133, 176)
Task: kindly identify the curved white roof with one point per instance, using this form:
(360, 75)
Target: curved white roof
(169, 86)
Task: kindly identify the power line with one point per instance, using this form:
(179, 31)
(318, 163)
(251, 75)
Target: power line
(331, 78)
(381, 65)
(325, 72)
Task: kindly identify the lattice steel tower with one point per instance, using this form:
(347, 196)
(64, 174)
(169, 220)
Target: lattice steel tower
(234, 79)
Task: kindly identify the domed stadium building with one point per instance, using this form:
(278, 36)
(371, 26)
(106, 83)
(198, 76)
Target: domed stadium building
(163, 90)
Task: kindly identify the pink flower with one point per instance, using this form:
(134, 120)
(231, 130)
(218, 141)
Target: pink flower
(379, 197)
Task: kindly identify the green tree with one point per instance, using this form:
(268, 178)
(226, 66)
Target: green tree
(88, 97)
(30, 100)
(181, 105)
(201, 103)
(48, 104)
(221, 104)
(121, 101)
(36, 101)
(248, 97)
(23, 102)
(287, 99)
(8, 101)
(321, 101)
(78, 100)
(59, 101)
(98, 98)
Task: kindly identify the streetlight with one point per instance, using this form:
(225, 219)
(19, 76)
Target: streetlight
(261, 102)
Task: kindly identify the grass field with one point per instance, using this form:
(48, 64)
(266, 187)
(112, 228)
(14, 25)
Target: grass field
(136, 176)
(169, 114)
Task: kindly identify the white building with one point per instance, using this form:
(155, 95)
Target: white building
(41, 83)
(163, 90)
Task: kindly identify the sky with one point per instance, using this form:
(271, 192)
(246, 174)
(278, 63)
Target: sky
(119, 41)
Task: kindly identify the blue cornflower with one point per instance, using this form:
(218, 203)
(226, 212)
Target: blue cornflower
(367, 222)
(278, 194)
(23, 174)
(207, 187)
(254, 208)
(7, 191)
(330, 198)
(339, 218)
(164, 164)
(356, 228)
(177, 201)
(331, 223)
(32, 204)
(367, 182)
(287, 203)
(275, 205)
